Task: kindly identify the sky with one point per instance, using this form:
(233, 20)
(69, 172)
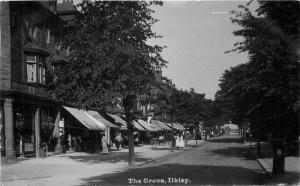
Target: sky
(196, 34)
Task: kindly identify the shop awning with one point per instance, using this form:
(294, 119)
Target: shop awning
(138, 126)
(179, 126)
(171, 126)
(149, 126)
(161, 124)
(119, 120)
(100, 119)
(176, 126)
(84, 119)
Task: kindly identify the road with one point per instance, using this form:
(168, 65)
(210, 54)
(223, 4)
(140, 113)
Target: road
(220, 161)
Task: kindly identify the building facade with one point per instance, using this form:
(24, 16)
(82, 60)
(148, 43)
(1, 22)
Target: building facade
(159, 93)
(29, 46)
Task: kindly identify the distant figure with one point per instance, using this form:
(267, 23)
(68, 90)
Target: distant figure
(212, 134)
(104, 145)
(161, 139)
(119, 140)
(70, 142)
(177, 141)
(181, 142)
(136, 140)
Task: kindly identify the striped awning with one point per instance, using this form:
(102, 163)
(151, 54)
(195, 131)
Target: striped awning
(175, 126)
(138, 126)
(160, 124)
(85, 119)
(149, 126)
(119, 120)
(100, 119)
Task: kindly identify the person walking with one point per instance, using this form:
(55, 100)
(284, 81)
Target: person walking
(118, 140)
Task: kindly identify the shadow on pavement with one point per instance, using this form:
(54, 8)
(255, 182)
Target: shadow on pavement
(238, 152)
(226, 140)
(109, 158)
(290, 178)
(163, 148)
(197, 174)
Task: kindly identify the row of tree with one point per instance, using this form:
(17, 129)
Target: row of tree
(191, 109)
(265, 91)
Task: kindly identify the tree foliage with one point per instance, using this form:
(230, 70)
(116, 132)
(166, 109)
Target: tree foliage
(109, 54)
(265, 90)
(110, 57)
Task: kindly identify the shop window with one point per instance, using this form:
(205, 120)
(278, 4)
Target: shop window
(36, 71)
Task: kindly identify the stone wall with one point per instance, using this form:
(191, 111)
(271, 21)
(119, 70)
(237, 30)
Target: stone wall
(5, 40)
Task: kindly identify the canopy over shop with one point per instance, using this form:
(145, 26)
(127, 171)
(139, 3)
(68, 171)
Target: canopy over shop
(81, 131)
(150, 127)
(160, 124)
(119, 121)
(111, 129)
(138, 126)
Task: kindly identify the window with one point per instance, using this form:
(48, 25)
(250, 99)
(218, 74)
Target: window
(36, 71)
(48, 36)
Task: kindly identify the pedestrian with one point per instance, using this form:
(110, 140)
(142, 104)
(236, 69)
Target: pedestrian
(177, 141)
(181, 142)
(161, 139)
(119, 140)
(104, 145)
(211, 134)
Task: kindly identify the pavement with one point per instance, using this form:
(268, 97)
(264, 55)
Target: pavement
(265, 159)
(73, 168)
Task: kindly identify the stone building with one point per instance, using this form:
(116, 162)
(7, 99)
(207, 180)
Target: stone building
(29, 45)
(150, 104)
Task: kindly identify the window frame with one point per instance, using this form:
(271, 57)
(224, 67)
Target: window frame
(40, 69)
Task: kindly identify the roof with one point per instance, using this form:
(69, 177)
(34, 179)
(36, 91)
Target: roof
(56, 58)
(66, 11)
(34, 48)
(160, 124)
(65, 7)
(117, 119)
(85, 119)
(138, 126)
(100, 119)
(149, 126)
(176, 126)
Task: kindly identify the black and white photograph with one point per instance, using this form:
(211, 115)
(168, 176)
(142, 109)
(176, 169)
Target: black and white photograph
(137, 93)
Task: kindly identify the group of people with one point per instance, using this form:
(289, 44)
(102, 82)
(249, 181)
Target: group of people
(118, 142)
(179, 141)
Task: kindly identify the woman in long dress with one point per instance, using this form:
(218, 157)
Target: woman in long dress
(104, 145)
(182, 141)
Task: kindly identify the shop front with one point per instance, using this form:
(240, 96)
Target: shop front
(81, 132)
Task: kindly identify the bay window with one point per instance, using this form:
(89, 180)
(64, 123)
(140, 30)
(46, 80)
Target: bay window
(35, 69)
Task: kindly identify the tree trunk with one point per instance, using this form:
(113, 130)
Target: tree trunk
(258, 147)
(244, 132)
(128, 103)
(172, 133)
(131, 161)
(196, 133)
(205, 134)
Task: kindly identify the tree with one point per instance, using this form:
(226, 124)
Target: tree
(265, 90)
(110, 57)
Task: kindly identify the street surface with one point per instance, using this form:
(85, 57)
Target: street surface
(220, 161)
